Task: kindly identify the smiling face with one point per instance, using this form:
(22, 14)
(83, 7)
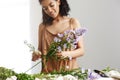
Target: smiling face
(51, 7)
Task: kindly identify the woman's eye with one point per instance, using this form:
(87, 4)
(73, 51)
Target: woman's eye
(52, 5)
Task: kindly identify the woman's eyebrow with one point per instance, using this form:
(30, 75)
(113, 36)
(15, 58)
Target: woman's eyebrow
(48, 5)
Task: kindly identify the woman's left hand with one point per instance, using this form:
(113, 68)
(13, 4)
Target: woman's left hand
(65, 53)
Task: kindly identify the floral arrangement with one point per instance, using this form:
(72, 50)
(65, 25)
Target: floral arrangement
(8, 74)
(66, 41)
(77, 74)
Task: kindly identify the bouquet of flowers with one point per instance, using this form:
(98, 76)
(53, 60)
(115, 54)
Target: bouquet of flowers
(66, 41)
(63, 42)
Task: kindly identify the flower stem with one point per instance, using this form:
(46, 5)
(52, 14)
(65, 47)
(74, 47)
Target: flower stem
(33, 66)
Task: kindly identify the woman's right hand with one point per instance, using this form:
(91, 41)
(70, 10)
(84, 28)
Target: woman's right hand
(36, 55)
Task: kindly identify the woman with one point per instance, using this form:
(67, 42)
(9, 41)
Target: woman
(56, 20)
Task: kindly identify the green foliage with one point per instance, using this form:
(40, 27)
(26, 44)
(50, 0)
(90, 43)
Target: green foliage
(75, 72)
(54, 45)
(81, 74)
(52, 49)
(107, 69)
(45, 76)
(4, 73)
(24, 76)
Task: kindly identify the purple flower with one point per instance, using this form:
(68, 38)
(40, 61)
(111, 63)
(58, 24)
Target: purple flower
(78, 38)
(65, 46)
(59, 49)
(60, 35)
(72, 31)
(80, 31)
(71, 36)
(66, 32)
(93, 75)
(68, 39)
(57, 39)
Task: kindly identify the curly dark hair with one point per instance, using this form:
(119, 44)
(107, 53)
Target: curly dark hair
(64, 11)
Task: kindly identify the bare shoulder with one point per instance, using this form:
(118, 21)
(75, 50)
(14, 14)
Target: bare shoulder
(75, 23)
(41, 26)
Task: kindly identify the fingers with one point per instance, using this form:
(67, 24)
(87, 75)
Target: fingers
(59, 54)
(34, 58)
(36, 55)
(37, 52)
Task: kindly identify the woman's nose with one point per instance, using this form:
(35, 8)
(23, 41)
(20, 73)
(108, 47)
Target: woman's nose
(49, 10)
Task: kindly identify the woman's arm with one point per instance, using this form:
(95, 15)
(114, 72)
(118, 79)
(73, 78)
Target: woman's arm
(75, 53)
(37, 54)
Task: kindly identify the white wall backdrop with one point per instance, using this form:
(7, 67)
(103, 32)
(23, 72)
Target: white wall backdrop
(102, 42)
(35, 19)
(14, 29)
